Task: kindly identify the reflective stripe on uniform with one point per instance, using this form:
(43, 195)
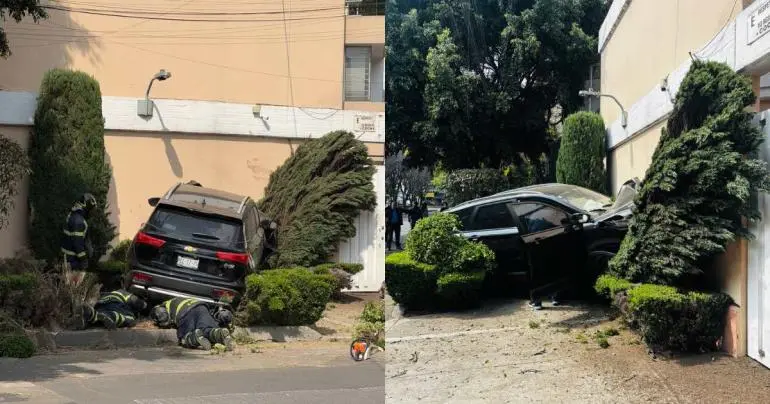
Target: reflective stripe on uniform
(72, 253)
(74, 233)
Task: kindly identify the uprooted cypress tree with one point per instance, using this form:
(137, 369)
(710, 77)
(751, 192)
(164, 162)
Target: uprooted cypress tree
(67, 157)
(316, 195)
(698, 187)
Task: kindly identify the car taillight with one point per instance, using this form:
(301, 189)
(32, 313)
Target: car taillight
(235, 258)
(224, 296)
(144, 238)
(142, 278)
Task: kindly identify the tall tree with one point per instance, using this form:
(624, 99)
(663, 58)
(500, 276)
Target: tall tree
(475, 83)
(17, 10)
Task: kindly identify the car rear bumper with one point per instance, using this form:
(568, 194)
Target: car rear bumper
(163, 287)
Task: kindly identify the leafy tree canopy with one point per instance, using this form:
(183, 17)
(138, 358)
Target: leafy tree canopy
(474, 84)
(17, 10)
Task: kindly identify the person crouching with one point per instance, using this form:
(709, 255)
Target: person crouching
(116, 309)
(197, 325)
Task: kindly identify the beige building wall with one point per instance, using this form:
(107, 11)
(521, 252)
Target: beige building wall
(652, 39)
(258, 59)
(146, 164)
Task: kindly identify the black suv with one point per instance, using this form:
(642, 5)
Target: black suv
(199, 242)
(544, 232)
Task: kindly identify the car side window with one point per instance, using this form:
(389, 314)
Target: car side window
(538, 216)
(465, 217)
(493, 216)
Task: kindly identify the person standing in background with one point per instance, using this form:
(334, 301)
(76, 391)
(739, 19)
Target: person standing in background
(394, 218)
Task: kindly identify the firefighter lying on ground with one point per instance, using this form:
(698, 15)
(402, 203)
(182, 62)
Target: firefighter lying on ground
(197, 325)
(116, 309)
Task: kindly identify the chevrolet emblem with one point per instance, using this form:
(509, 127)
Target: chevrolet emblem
(190, 249)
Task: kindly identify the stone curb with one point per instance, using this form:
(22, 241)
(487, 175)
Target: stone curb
(123, 338)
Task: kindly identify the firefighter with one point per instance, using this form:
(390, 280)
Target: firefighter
(75, 246)
(197, 325)
(116, 309)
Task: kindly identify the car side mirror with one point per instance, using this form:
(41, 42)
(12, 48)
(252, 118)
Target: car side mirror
(579, 218)
(153, 201)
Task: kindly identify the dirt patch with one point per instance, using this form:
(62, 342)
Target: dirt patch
(554, 355)
(341, 317)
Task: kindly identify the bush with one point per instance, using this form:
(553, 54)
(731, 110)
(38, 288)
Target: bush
(112, 266)
(697, 190)
(582, 152)
(293, 296)
(342, 279)
(352, 269)
(609, 286)
(316, 196)
(16, 346)
(460, 290)
(120, 251)
(472, 258)
(372, 323)
(464, 185)
(410, 283)
(14, 167)
(668, 319)
(434, 240)
(67, 157)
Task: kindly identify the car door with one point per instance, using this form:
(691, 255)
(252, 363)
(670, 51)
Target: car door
(554, 247)
(495, 225)
(252, 236)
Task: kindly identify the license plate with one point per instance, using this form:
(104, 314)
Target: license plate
(186, 262)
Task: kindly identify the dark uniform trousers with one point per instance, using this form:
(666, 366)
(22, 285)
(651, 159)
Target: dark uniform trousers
(188, 315)
(119, 306)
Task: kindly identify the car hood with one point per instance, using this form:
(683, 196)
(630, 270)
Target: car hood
(624, 202)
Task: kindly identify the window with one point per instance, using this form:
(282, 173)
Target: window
(185, 225)
(539, 217)
(465, 217)
(494, 216)
(357, 73)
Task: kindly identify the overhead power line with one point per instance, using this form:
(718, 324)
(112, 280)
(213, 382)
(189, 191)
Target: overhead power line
(193, 13)
(160, 18)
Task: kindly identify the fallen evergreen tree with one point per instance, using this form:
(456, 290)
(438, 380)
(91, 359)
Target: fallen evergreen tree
(316, 195)
(697, 190)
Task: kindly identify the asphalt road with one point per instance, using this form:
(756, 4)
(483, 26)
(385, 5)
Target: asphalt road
(157, 376)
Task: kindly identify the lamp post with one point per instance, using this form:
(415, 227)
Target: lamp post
(592, 93)
(145, 106)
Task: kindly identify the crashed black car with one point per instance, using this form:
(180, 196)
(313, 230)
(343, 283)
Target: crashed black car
(199, 242)
(541, 232)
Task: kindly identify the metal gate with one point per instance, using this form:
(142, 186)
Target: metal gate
(758, 288)
(368, 246)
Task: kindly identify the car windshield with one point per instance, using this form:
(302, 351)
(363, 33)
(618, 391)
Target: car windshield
(581, 198)
(185, 225)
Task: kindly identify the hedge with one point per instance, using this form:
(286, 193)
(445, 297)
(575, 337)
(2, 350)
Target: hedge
(582, 151)
(434, 240)
(67, 157)
(460, 290)
(291, 296)
(342, 278)
(410, 283)
(16, 346)
(669, 319)
(609, 286)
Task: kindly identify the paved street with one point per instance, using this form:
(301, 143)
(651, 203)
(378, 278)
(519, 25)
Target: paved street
(277, 373)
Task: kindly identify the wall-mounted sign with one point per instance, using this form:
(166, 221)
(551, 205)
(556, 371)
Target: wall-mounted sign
(759, 22)
(365, 123)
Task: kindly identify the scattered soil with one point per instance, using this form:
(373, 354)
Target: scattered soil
(495, 354)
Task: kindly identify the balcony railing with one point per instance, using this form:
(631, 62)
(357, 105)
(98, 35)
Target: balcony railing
(366, 7)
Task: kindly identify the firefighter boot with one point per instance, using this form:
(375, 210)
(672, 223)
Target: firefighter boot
(222, 336)
(196, 339)
(106, 319)
(85, 315)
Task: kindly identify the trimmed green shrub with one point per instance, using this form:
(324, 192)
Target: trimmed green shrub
(668, 319)
(14, 167)
(460, 290)
(698, 188)
(25, 283)
(67, 157)
(410, 283)
(349, 268)
(609, 286)
(16, 346)
(291, 296)
(120, 251)
(582, 152)
(342, 279)
(473, 258)
(112, 266)
(316, 196)
(434, 240)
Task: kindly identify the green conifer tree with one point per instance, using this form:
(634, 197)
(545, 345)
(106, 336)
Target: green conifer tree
(582, 152)
(316, 195)
(698, 188)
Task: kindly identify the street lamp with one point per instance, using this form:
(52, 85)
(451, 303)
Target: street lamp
(592, 93)
(145, 106)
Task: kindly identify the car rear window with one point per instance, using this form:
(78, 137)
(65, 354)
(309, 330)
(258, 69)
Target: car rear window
(186, 225)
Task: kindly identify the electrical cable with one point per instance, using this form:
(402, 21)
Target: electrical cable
(183, 13)
(288, 69)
